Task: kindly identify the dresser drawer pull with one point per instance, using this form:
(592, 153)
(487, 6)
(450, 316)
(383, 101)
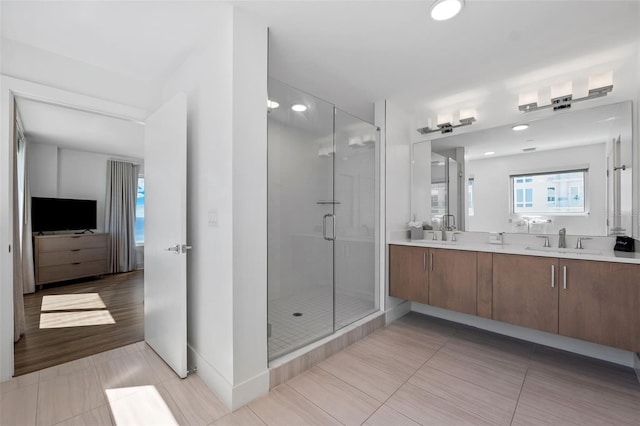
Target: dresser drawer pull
(76, 250)
(76, 263)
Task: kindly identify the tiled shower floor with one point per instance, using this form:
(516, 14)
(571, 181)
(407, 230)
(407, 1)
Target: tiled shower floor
(289, 331)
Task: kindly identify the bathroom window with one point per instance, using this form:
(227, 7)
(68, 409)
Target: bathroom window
(558, 192)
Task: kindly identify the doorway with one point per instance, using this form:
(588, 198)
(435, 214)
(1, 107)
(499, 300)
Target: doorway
(74, 309)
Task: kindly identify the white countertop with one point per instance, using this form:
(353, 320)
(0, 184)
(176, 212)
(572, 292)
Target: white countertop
(598, 253)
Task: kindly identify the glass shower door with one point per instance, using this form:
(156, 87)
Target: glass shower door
(355, 286)
(301, 219)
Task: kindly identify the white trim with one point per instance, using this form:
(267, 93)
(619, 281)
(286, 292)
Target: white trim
(397, 312)
(593, 350)
(210, 376)
(249, 390)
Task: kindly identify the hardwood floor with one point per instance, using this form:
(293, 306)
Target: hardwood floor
(122, 296)
(416, 371)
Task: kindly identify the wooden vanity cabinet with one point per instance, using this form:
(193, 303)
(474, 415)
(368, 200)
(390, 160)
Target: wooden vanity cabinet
(525, 291)
(453, 280)
(408, 273)
(601, 302)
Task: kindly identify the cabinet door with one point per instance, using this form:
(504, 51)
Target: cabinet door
(453, 280)
(408, 274)
(601, 303)
(525, 291)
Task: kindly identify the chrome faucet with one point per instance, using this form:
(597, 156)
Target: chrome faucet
(446, 225)
(562, 241)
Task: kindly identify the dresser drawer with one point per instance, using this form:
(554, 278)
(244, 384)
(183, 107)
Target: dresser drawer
(53, 258)
(71, 270)
(72, 242)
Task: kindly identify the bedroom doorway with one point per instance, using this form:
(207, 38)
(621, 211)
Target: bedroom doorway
(74, 307)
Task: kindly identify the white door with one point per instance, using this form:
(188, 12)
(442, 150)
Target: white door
(165, 230)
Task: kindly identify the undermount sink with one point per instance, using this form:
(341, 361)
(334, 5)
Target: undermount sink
(565, 250)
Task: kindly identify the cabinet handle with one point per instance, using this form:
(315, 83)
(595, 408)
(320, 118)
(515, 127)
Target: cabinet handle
(424, 261)
(431, 257)
(564, 277)
(75, 250)
(76, 263)
(553, 276)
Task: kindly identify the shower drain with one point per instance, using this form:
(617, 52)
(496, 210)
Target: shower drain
(297, 314)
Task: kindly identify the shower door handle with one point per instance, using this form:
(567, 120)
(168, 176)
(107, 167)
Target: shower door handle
(324, 227)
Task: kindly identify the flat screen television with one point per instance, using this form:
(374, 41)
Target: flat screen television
(62, 214)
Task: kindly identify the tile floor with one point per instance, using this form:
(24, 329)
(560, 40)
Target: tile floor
(415, 371)
(289, 332)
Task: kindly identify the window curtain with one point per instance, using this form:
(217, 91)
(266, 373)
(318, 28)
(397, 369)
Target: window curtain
(120, 214)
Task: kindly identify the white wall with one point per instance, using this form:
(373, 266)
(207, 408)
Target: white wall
(225, 83)
(42, 161)
(40, 66)
(251, 377)
(397, 126)
(491, 190)
(398, 176)
(66, 173)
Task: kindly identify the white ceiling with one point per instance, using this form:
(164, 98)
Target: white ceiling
(353, 53)
(79, 130)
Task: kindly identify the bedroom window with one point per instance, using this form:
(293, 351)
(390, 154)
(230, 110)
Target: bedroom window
(140, 211)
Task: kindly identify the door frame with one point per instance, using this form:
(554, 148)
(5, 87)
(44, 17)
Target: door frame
(10, 88)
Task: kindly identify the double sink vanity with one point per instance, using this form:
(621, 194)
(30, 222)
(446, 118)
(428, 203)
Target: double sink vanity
(591, 294)
(573, 170)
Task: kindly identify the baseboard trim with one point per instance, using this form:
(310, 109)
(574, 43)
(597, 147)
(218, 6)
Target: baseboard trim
(581, 347)
(397, 312)
(249, 390)
(210, 376)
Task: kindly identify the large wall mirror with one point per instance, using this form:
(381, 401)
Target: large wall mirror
(570, 170)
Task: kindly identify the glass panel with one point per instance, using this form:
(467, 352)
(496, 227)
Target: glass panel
(139, 232)
(550, 193)
(438, 189)
(300, 205)
(355, 295)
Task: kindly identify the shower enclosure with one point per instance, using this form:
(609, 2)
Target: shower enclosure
(321, 219)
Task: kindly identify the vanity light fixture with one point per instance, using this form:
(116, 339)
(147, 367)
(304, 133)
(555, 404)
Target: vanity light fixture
(272, 104)
(299, 108)
(562, 97)
(519, 127)
(467, 117)
(441, 10)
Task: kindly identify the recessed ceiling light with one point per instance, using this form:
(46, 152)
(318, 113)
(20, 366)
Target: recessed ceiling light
(489, 153)
(272, 104)
(519, 127)
(299, 108)
(441, 10)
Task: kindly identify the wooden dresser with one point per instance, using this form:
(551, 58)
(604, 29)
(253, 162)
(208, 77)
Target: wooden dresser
(64, 257)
